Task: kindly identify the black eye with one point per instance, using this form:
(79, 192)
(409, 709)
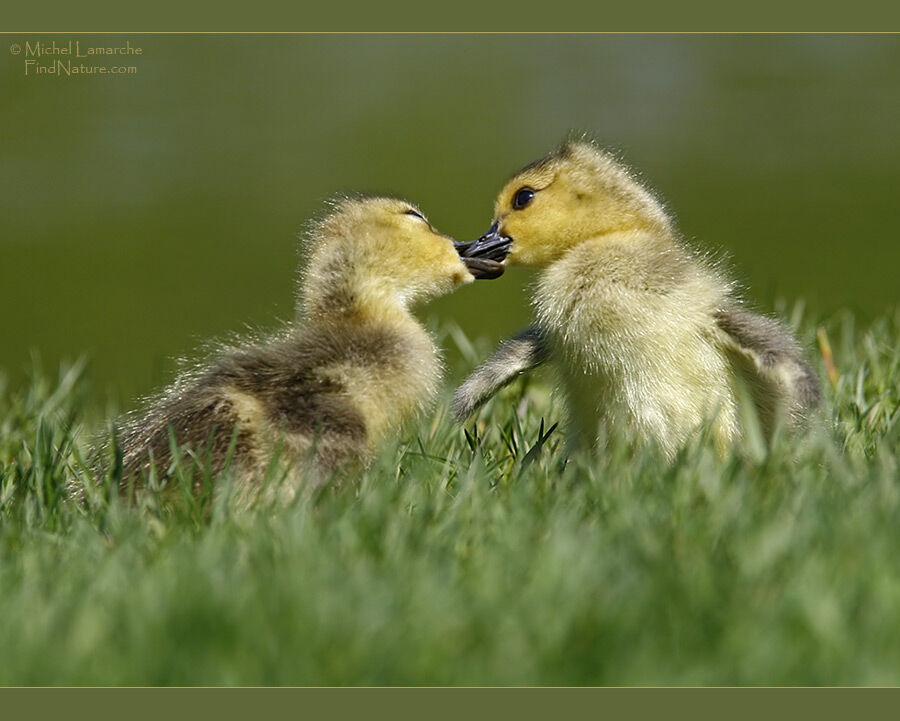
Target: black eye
(522, 198)
(415, 213)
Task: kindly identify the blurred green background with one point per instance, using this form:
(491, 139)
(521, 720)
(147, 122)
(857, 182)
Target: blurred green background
(142, 214)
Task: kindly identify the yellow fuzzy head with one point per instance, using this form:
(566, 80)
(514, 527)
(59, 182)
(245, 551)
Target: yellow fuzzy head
(372, 254)
(576, 193)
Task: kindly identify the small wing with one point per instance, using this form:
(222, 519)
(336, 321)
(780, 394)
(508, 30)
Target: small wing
(782, 379)
(515, 356)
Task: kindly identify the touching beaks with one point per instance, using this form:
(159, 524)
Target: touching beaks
(484, 257)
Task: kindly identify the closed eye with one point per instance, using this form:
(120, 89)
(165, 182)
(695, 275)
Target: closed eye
(415, 213)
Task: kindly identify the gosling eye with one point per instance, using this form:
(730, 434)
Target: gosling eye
(415, 213)
(522, 198)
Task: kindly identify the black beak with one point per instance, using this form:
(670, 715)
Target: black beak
(484, 257)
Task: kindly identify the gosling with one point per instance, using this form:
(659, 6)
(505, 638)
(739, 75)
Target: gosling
(334, 385)
(643, 331)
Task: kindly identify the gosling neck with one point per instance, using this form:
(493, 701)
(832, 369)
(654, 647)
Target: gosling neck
(363, 305)
(653, 237)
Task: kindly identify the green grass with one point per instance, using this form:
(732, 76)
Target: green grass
(455, 560)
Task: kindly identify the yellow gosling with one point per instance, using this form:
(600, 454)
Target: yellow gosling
(641, 330)
(334, 385)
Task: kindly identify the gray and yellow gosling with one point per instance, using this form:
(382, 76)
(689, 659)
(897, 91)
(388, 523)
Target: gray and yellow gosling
(338, 382)
(642, 331)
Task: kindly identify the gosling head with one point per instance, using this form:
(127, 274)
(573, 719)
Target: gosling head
(576, 193)
(372, 254)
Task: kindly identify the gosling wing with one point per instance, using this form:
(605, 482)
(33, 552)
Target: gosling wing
(768, 356)
(513, 357)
